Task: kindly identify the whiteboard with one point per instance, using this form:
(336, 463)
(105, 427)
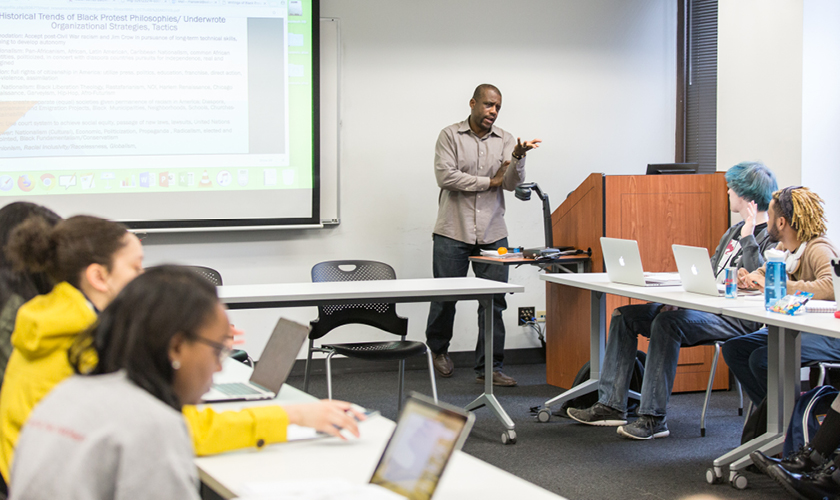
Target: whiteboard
(330, 106)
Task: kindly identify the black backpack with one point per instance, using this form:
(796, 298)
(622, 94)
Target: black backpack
(590, 399)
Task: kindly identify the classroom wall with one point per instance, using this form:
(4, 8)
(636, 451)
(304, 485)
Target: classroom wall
(777, 92)
(821, 106)
(594, 80)
(759, 109)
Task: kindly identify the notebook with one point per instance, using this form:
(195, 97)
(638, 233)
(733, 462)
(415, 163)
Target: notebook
(624, 264)
(271, 371)
(426, 435)
(821, 306)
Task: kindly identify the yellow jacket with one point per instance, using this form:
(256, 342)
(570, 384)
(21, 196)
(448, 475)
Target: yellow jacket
(47, 326)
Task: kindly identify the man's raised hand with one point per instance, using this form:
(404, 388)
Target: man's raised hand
(521, 148)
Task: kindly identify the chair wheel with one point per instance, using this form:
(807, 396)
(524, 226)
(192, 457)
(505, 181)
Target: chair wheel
(739, 481)
(712, 477)
(509, 437)
(544, 415)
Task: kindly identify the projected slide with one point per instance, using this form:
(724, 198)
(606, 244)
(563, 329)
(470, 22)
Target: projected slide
(157, 97)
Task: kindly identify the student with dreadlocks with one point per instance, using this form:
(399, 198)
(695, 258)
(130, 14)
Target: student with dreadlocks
(797, 221)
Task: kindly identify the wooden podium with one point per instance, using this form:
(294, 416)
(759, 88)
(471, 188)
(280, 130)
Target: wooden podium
(655, 210)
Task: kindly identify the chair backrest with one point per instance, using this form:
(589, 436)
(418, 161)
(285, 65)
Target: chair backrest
(209, 274)
(378, 315)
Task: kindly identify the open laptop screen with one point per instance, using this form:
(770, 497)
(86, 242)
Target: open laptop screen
(426, 436)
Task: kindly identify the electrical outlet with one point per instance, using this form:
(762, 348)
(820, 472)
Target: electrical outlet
(526, 314)
(540, 316)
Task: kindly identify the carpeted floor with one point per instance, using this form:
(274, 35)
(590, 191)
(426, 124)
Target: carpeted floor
(576, 461)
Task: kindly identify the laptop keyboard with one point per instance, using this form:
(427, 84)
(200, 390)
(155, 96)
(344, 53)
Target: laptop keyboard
(236, 389)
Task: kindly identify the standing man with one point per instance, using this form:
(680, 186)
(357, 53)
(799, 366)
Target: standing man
(474, 162)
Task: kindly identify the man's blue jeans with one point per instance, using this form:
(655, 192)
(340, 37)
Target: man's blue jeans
(747, 358)
(668, 332)
(451, 258)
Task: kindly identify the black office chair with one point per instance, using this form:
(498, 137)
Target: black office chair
(215, 277)
(378, 315)
(208, 273)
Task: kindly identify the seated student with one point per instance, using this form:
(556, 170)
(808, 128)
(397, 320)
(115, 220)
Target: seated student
(669, 329)
(797, 220)
(118, 433)
(16, 287)
(809, 473)
(91, 260)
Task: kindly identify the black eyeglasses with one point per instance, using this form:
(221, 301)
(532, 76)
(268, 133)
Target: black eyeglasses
(222, 351)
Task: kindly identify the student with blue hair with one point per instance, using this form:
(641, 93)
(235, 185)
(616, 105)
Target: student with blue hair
(751, 186)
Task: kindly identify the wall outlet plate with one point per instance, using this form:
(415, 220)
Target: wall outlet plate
(540, 316)
(526, 314)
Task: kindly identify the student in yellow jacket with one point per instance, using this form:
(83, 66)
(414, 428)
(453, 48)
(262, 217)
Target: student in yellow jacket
(91, 260)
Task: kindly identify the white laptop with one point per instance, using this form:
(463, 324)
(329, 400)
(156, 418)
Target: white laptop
(696, 271)
(835, 271)
(426, 436)
(271, 371)
(624, 265)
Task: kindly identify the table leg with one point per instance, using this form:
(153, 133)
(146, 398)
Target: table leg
(783, 365)
(488, 399)
(597, 341)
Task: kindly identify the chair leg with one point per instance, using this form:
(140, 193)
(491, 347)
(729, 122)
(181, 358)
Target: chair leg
(432, 374)
(402, 385)
(329, 375)
(709, 390)
(308, 366)
(747, 412)
(821, 380)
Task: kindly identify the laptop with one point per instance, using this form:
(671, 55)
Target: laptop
(696, 271)
(271, 371)
(624, 264)
(426, 435)
(835, 272)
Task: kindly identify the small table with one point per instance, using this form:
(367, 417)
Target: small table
(563, 264)
(390, 291)
(353, 460)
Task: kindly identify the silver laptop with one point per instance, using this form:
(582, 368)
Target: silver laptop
(271, 371)
(696, 271)
(624, 264)
(835, 272)
(426, 436)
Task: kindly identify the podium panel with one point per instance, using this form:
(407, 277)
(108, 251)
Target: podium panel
(656, 211)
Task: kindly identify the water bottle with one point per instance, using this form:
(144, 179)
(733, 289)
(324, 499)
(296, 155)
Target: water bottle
(775, 277)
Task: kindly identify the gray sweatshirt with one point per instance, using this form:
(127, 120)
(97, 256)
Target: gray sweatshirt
(102, 437)
(751, 255)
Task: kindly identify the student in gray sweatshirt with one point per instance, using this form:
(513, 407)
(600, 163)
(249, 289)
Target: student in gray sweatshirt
(119, 433)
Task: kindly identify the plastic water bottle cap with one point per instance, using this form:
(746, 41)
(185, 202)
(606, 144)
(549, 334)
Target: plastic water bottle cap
(773, 255)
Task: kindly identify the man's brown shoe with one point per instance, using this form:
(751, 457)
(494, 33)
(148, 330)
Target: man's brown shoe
(443, 364)
(499, 379)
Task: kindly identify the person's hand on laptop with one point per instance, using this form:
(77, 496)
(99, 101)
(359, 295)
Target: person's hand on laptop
(750, 281)
(327, 416)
